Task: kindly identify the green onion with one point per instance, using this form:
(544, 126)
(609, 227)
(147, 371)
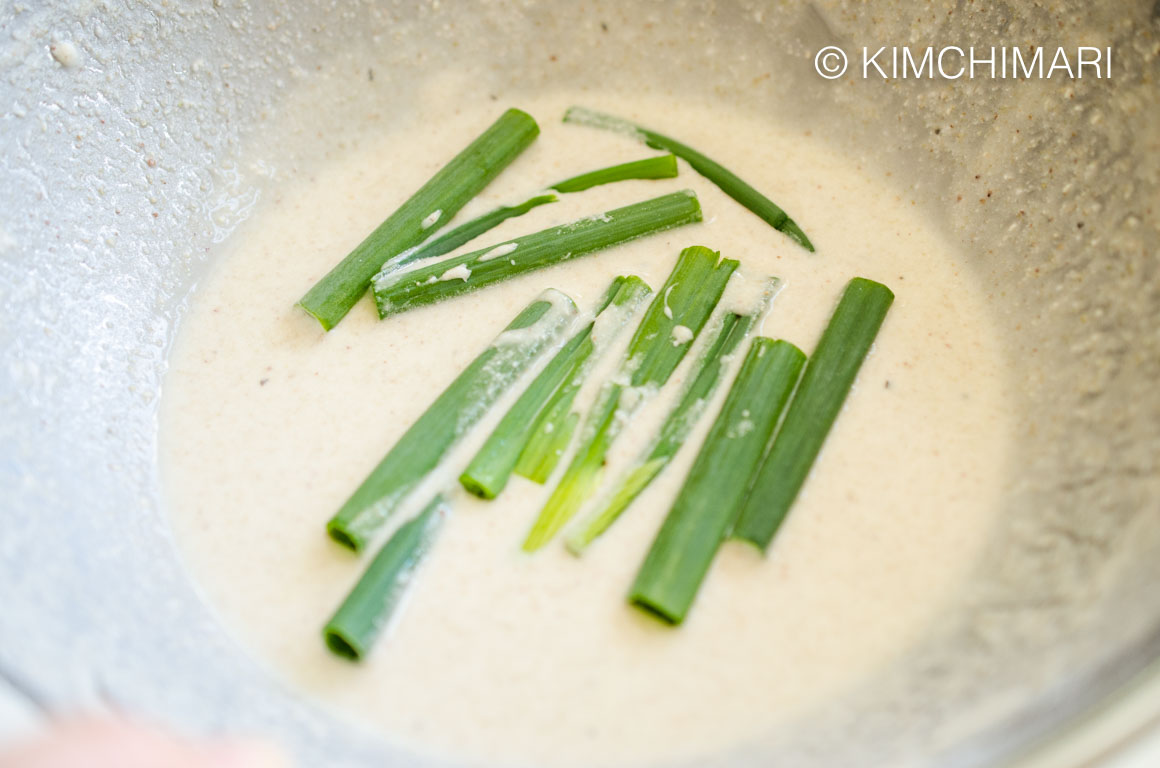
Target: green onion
(552, 434)
(664, 335)
(715, 487)
(455, 411)
(399, 289)
(827, 380)
(659, 167)
(678, 424)
(468, 231)
(368, 608)
(428, 209)
(488, 472)
(728, 181)
(555, 427)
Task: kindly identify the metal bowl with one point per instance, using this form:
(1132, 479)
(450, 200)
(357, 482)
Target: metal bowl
(132, 142)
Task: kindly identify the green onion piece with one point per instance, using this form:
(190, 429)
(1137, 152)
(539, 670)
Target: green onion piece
(431, 207)
(582, 477)
(667, 330)
(659, 167)
(827, 380)
(455, 411)
(552, 434)
(399, 289)
(714, 490)
(368, 608)
(678, 424)
(728, 181)
(468, 231)
(555, 427)
(488, 473)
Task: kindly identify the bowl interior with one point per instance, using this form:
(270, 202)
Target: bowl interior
(137, 137)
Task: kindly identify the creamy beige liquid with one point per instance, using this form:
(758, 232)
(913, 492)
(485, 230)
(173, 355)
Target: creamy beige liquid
(267, 425)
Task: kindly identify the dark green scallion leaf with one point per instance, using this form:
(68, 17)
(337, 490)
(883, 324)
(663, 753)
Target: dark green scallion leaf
(714, 490)
(427, 210)
(659, 167)
(827, 380)
(368, 608)
(449, 418)
(729, 182)
(488, 473)
(402, 288)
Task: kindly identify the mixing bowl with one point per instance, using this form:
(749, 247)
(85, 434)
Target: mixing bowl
(133, 141)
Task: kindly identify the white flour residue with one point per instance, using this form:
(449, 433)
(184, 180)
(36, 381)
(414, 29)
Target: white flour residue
(499, 251)
(460, 272)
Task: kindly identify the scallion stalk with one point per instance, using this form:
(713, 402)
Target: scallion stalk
(427, 210)
(552, 434)
(455, 411)
(729, 182)
(678, 423)
(827, 379)
(667, 330)
(715, 487)
(488, 473)
(659, 167)
(468, 231)
(368, 608)
(400, 289)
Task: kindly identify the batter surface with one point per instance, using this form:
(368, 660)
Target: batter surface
(267, 425)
